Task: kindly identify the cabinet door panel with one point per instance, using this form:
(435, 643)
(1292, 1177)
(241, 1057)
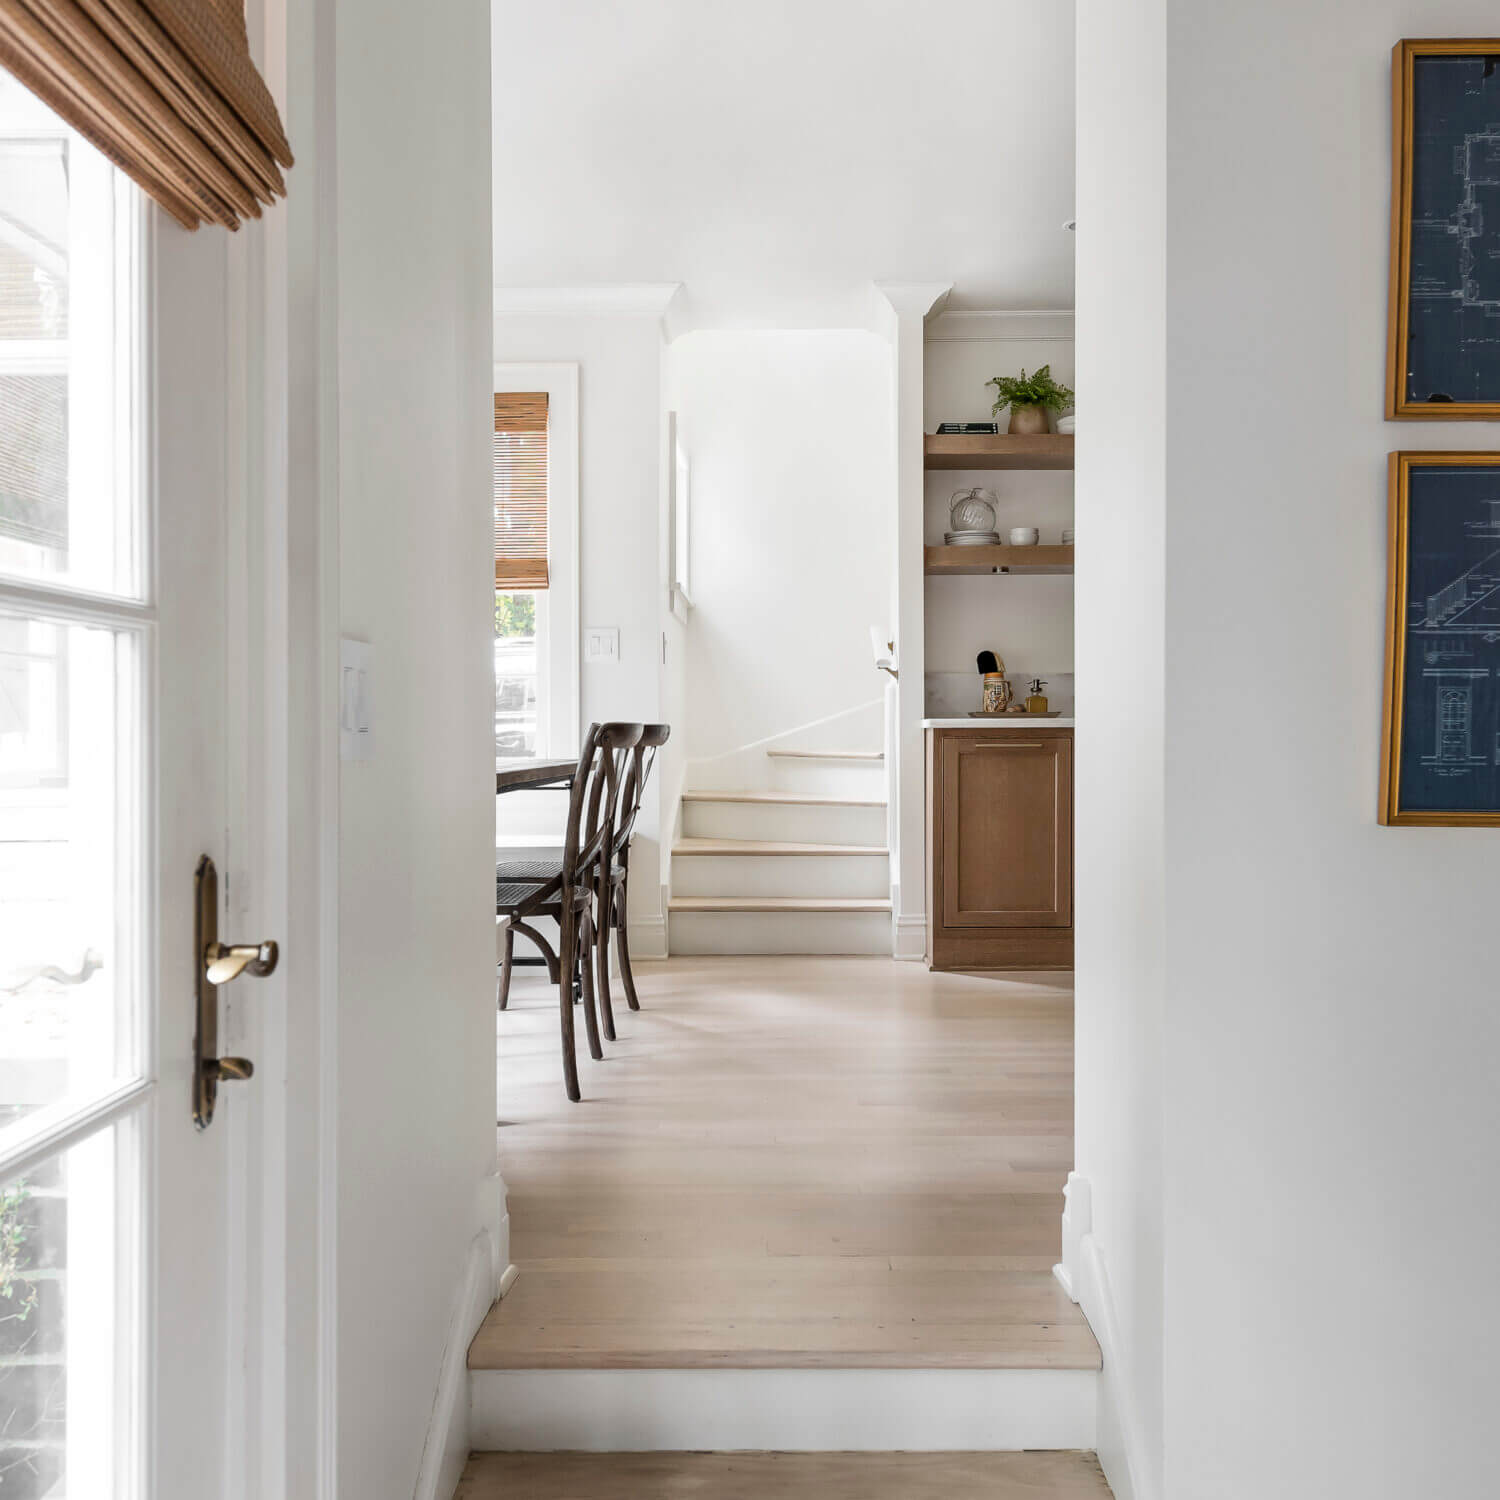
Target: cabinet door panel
(1007, 831)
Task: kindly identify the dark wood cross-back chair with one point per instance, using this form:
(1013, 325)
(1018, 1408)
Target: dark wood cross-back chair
(613, 889)
(564, 889)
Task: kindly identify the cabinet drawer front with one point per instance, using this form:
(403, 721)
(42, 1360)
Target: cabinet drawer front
(1007, 831)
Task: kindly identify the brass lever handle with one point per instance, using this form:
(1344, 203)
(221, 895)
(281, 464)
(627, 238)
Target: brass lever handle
(216, 964)
(224, 963)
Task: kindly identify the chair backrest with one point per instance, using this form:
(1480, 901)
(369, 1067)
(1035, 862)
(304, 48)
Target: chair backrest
(595, 795)
(641, 761)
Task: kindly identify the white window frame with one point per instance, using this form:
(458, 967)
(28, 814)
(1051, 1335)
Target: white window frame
(112, 1217)
(558, 675)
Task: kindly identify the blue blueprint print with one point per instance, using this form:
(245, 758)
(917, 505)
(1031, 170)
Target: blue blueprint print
(1453, 344)
(1450, 726)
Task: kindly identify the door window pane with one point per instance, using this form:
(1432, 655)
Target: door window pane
(520, 619)
(67, 495)
(69, 842)
(63, 1252)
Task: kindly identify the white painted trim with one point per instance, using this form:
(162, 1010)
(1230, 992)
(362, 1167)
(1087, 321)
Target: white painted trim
(1084, 1275)
(635, 299)
(1002, 326)
(1077, 1221)
(494, 1220)
(648, 937)
(903, 310)
(908, 931)
(447, 1445)
(631, 1411)
(564, 532)
(58, 1127)
(890, 301)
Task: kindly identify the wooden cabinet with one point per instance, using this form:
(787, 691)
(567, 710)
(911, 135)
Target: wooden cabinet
(1000, 848)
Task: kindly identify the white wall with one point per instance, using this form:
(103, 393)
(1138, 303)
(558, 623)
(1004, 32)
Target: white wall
(1119, 746)
(619, 356)
(1026, 619)
(788, 436)
(776, 158)
(1309, 997)
(416, 980)
(1331, 1101)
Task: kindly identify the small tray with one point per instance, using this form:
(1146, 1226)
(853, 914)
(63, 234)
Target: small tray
(979, 713)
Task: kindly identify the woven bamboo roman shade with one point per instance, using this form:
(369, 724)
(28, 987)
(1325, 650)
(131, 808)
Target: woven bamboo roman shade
(165, 89)
(521, 490)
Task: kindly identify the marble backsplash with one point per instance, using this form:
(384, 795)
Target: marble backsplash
(953, 694)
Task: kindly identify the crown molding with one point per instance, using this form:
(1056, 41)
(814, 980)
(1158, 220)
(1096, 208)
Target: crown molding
(1001, 326)
(626, 299)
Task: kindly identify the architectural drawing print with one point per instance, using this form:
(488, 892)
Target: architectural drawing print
(1453, 340)
(1450, 727)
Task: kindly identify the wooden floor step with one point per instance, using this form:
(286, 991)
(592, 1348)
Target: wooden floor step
(778, 903)
(797, 799)
(826, 754)
(770, 846)
(790, 1476)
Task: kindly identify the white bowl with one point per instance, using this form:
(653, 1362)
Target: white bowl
(1065, 425)
(1024, 536)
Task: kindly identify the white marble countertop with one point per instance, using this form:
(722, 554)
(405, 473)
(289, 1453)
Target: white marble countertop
(999, 721)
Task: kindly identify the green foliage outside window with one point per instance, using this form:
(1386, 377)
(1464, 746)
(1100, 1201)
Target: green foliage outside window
(515, 615)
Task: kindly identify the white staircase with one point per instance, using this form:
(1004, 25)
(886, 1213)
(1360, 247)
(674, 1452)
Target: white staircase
(797, 865)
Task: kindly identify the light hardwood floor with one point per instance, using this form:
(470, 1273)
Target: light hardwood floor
(791, 1162)
(793, 1476)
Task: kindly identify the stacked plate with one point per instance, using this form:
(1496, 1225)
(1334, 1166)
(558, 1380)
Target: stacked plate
(971, 538)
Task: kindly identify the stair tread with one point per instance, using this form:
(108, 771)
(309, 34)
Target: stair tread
(826, 754)
(1057, 1475)
(770, 846)
(779, 903)
(800, 799)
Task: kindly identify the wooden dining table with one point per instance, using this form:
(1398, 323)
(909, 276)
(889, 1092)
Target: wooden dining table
(535, 774)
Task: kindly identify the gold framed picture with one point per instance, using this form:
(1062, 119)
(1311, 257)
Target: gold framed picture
(1443, 353)
(1440, 761)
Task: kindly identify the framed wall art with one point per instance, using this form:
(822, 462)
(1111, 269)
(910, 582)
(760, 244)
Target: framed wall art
(1441, 756)
(1443, 359)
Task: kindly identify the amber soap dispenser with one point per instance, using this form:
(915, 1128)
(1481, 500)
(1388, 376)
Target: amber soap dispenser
(1035, 702)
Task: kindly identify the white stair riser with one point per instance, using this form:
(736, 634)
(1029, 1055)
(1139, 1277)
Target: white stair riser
(634, 1411)
(785, 822)
(781, 875)
(779, 932)
(828, 778)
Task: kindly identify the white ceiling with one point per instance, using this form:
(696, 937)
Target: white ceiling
(777, 156)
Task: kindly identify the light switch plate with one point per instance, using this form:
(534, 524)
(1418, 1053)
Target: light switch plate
(601, 644)
(356, 666)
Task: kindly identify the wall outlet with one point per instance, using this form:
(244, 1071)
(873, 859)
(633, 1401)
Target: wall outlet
(601, 645)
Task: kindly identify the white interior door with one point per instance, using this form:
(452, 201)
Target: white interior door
(115, 1247)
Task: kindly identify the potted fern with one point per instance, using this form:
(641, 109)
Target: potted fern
(1030, 398)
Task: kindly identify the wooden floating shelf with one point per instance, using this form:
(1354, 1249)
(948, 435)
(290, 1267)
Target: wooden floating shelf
(1052, 450)
(938, 561)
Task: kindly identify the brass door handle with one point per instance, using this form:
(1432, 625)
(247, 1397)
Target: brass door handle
(225, 963)
(215, 964)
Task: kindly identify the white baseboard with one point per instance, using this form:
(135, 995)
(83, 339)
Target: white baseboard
(494, 1218)
(1084, 1275)
(648, 939)
(634, 1411)
(909, 937)
(447, 1446)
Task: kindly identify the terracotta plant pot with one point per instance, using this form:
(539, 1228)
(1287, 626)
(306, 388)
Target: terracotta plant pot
(1026, 421)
